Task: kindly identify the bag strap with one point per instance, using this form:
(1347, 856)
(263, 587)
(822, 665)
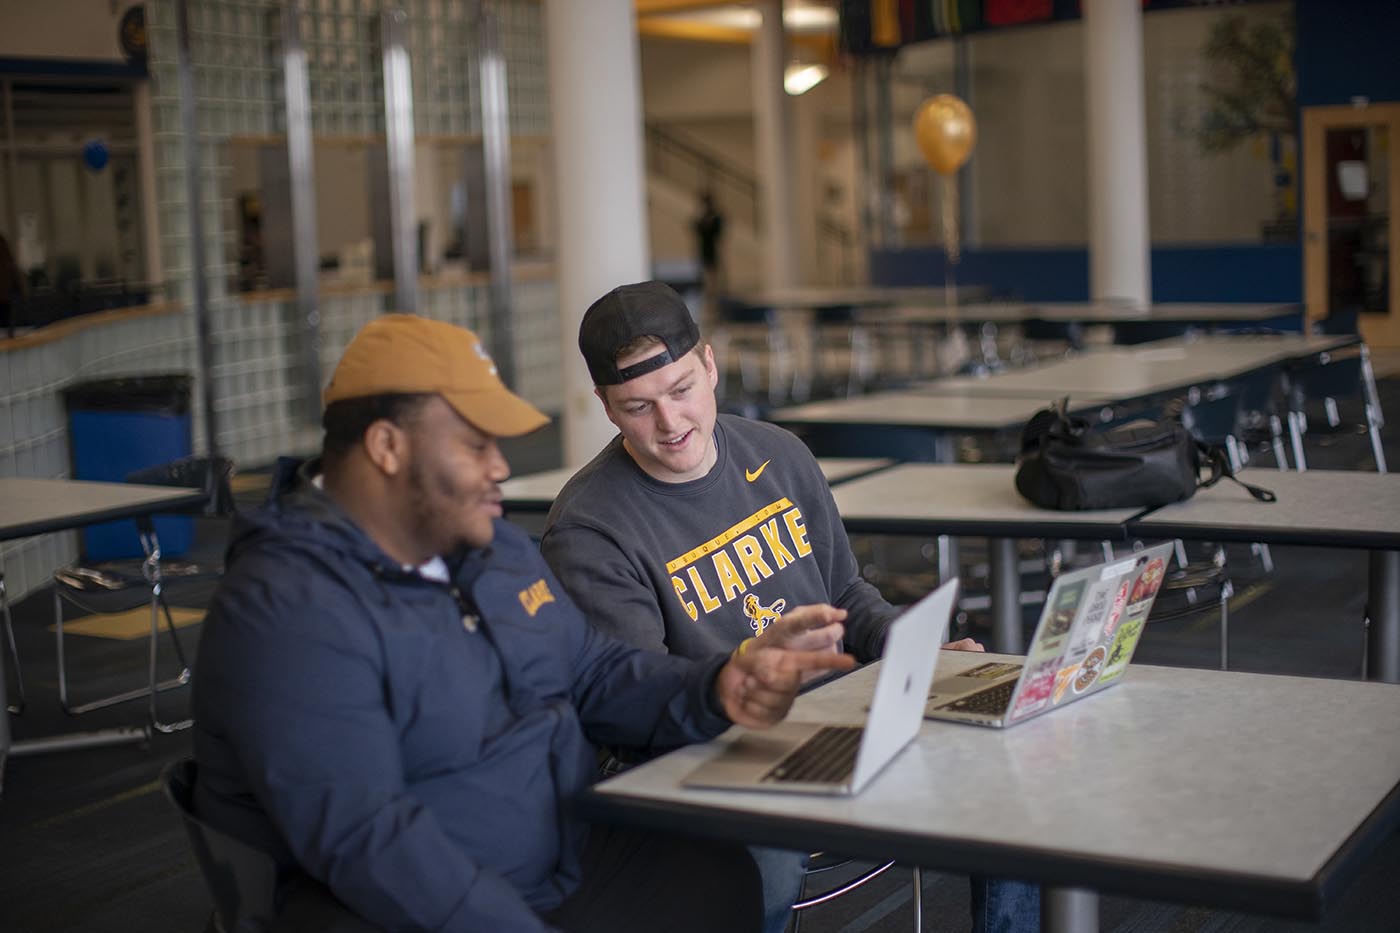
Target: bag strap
(1220, 469)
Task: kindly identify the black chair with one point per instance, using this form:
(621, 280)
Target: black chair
(96, 591)
(241, 879)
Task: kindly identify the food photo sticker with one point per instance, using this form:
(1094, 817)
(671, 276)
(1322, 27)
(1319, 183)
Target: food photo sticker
(1037, 683)
(991, 670)
(1150, 581)
(1091, 668)
(1063, 612)
(1122, 649)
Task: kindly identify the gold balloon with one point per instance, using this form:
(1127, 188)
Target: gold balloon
(946, 132)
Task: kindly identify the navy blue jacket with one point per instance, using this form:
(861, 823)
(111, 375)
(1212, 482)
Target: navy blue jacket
(412, 743)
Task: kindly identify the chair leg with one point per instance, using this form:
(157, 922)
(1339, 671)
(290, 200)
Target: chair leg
(1227, 590)
(1296, 426)
(150, 569)
(918, 899)
(15, 708)
(1373, 425)
(180, 679)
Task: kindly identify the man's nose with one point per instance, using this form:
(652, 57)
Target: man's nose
(498, 468)
(665, 415)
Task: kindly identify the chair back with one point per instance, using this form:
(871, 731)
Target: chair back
(210, 474)
(242, 880)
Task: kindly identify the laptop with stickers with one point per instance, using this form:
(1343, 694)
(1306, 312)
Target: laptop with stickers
(1088, 629)
(817, 758)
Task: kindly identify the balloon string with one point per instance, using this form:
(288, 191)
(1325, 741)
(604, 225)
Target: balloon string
(950, 238)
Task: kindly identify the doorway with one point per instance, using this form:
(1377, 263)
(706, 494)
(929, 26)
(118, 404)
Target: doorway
(1351, 192)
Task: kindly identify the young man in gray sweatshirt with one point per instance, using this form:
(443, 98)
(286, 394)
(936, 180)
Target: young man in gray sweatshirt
(692, 531)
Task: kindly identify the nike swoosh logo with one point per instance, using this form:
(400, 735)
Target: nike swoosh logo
(752, 475)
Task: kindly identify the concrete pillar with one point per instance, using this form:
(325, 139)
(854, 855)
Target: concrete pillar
(600, 177)
(776, 164)
(1119, 238)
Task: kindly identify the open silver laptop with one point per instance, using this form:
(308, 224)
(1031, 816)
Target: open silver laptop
(1086, 636)
(817, 758)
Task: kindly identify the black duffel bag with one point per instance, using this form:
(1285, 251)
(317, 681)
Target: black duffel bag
(1065, 463)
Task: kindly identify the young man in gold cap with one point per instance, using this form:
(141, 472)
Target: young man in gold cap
(395, 697)
(692, 531)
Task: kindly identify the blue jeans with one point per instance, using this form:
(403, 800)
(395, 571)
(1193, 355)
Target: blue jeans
(782, 872)
(1002, 906)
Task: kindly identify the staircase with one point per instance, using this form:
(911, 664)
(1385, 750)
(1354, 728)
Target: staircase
(679, 169)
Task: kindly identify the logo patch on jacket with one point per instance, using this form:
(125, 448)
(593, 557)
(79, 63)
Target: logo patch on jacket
(534, 596)
(761, 616)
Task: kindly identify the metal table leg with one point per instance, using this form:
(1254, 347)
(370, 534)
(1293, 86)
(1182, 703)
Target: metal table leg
(4, 727)
(1006, 595)
(1068, 910)
(1383, 605)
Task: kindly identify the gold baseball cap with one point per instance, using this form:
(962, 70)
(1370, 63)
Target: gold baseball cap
(405, 353)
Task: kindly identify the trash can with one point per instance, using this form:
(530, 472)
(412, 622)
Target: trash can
(119, 425)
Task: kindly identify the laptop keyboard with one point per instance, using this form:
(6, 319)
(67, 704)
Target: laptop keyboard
(828, 757)
(992, 701)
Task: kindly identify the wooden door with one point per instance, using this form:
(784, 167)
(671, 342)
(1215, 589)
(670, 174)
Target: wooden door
(1351, 194)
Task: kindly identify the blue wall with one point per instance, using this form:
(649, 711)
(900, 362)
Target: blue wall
(1344, 49)
(1223, 272)
(1347, 48)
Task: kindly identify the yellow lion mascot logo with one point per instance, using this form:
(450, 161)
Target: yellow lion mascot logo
(761, 616)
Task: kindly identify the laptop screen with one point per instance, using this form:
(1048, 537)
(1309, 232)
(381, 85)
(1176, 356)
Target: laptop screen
(1088, 630)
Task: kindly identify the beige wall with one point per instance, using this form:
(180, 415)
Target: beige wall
(80, 29)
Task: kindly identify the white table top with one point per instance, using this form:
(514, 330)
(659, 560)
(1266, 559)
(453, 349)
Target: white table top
(913, 312)
(1205, 786)
(1341, 508)
(537, 491)
(952, 410)
(1203, 312)
(35, 506)
(857, 295)
(963, 499)
(1121, 373)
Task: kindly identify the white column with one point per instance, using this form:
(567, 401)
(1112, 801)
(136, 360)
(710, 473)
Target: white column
(776, 166)
(600, 179)
(1119, 245)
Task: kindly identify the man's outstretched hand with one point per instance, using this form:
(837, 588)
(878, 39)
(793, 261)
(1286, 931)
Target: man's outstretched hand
(758, 684)
(805, 628)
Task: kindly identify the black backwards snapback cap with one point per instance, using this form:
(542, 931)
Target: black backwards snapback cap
(626, 313)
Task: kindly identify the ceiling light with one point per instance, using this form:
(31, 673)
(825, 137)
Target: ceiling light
(799, 78)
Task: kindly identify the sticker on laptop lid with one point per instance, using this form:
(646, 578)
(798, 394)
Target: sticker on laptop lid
(1089, 630)
(1118, 568)
(1121, 651)
(1062, 681)
(1116, 612)
(1149, 581)
(1036, 686)
(1090, 670)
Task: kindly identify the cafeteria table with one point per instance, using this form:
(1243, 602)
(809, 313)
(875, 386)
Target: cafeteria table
(973, 500)
(1326, 508)
(536, 492)
(39, 506)
(1246, 792)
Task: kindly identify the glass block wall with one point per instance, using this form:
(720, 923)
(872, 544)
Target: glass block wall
(236, 48)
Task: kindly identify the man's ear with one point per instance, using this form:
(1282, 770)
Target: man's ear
(386, 446)
(602, 393)
(711, 370)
